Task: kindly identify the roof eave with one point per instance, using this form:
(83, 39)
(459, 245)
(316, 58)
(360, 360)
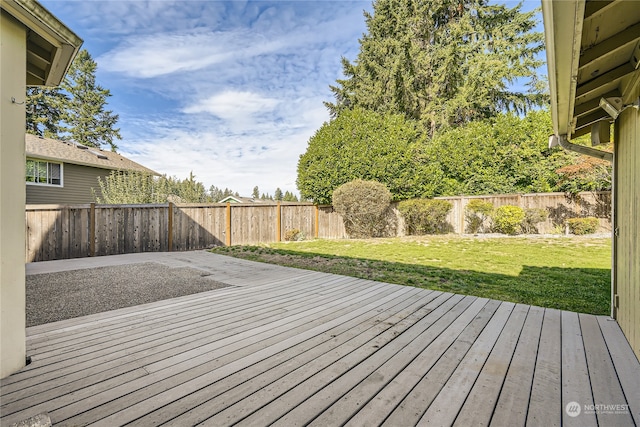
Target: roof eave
(62, 44)
(563, 33)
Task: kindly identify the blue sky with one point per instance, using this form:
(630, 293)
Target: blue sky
(231, 90)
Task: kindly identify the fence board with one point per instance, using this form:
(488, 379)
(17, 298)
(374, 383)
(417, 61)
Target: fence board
(559, 206)
(297, 217)
(60, 232)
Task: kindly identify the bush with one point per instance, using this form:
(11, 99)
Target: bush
(365, 207)
(423, 216)
(532, 217)
(476, 214)
(580, 226)
(508, 219)
(294, 235)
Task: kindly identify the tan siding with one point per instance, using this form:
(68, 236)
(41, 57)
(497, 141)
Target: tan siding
(78, 183)
(627, 246)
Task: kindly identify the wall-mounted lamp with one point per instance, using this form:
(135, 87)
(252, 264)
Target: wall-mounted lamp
(613, 106)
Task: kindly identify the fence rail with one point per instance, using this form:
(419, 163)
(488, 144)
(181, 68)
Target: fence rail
(76, 231)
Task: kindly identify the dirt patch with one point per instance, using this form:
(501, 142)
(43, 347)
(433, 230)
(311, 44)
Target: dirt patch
(63, 295)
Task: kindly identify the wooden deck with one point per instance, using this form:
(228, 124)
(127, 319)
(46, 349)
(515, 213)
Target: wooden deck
(292, 347)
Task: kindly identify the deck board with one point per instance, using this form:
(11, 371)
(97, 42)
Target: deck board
(361, 326)
(575, 388)
(294, 347)
(545, 401)
(604, 380)
(480, 403)
(516, 388)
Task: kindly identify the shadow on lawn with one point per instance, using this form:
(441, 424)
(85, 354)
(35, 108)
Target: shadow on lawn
(585, 290)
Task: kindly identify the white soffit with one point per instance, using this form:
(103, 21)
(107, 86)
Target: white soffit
(593, 50)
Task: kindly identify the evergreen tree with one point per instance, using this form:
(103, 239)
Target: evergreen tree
(278, 194)
(289, 197)
(443, 62)
(85, 119)
(215, 194)
(44, 109)
(256, 192)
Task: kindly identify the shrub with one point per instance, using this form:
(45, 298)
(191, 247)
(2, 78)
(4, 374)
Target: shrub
(365, 207)
(476, 214)
(423, 216)
(508, 219)
(532, 217)
(294, 235)
(580, 226)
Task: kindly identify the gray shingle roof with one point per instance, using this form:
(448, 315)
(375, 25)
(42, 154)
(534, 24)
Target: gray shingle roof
(69, 152)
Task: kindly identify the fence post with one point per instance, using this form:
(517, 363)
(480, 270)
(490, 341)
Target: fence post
(461, 207)
(228, 227)
(170, 228)
(279, 223)
(316, 222)
(92, 229)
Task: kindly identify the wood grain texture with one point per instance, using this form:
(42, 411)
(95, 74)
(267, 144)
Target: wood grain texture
(294, 347)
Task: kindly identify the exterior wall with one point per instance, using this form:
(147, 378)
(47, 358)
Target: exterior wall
(78, 181)
(12, 196)
(627, 223)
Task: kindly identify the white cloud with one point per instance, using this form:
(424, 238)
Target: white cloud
(238, 158)
(230, 105)
(231, 90)
(224, 160)
(161, 54)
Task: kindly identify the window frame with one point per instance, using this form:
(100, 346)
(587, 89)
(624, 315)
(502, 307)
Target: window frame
(47, 164)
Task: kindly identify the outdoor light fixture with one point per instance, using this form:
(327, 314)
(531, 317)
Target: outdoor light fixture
(613, 106)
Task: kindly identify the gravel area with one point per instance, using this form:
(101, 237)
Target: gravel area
(63, 295)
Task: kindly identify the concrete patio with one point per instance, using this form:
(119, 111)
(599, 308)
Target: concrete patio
(293, 347)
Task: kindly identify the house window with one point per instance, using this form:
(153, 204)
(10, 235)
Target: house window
(46, 173)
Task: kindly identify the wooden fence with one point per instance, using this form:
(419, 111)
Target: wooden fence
(559, 206)
(76, 231)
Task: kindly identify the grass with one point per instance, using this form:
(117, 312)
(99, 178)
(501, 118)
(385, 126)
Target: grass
(568, 273)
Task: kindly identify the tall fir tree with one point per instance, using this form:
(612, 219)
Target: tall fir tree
(45, 106)
(443, 62)
(85, 119)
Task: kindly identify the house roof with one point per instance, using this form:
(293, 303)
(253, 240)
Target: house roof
(51, 46)
(237, 199)
(70, 152)
(593, 52)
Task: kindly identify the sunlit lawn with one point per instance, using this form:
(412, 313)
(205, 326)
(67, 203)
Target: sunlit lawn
(569, 273)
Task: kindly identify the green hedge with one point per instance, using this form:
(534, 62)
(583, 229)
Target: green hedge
(365, 207)
(508, 219)
(423, 216)
(580, 226)
(476, 214)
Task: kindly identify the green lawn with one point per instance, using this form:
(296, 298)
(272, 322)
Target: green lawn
(569, 273)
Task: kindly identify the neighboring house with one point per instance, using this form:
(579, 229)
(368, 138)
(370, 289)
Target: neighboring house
(238, 199)
(593, 57)
(36, 49)
(62, 172)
